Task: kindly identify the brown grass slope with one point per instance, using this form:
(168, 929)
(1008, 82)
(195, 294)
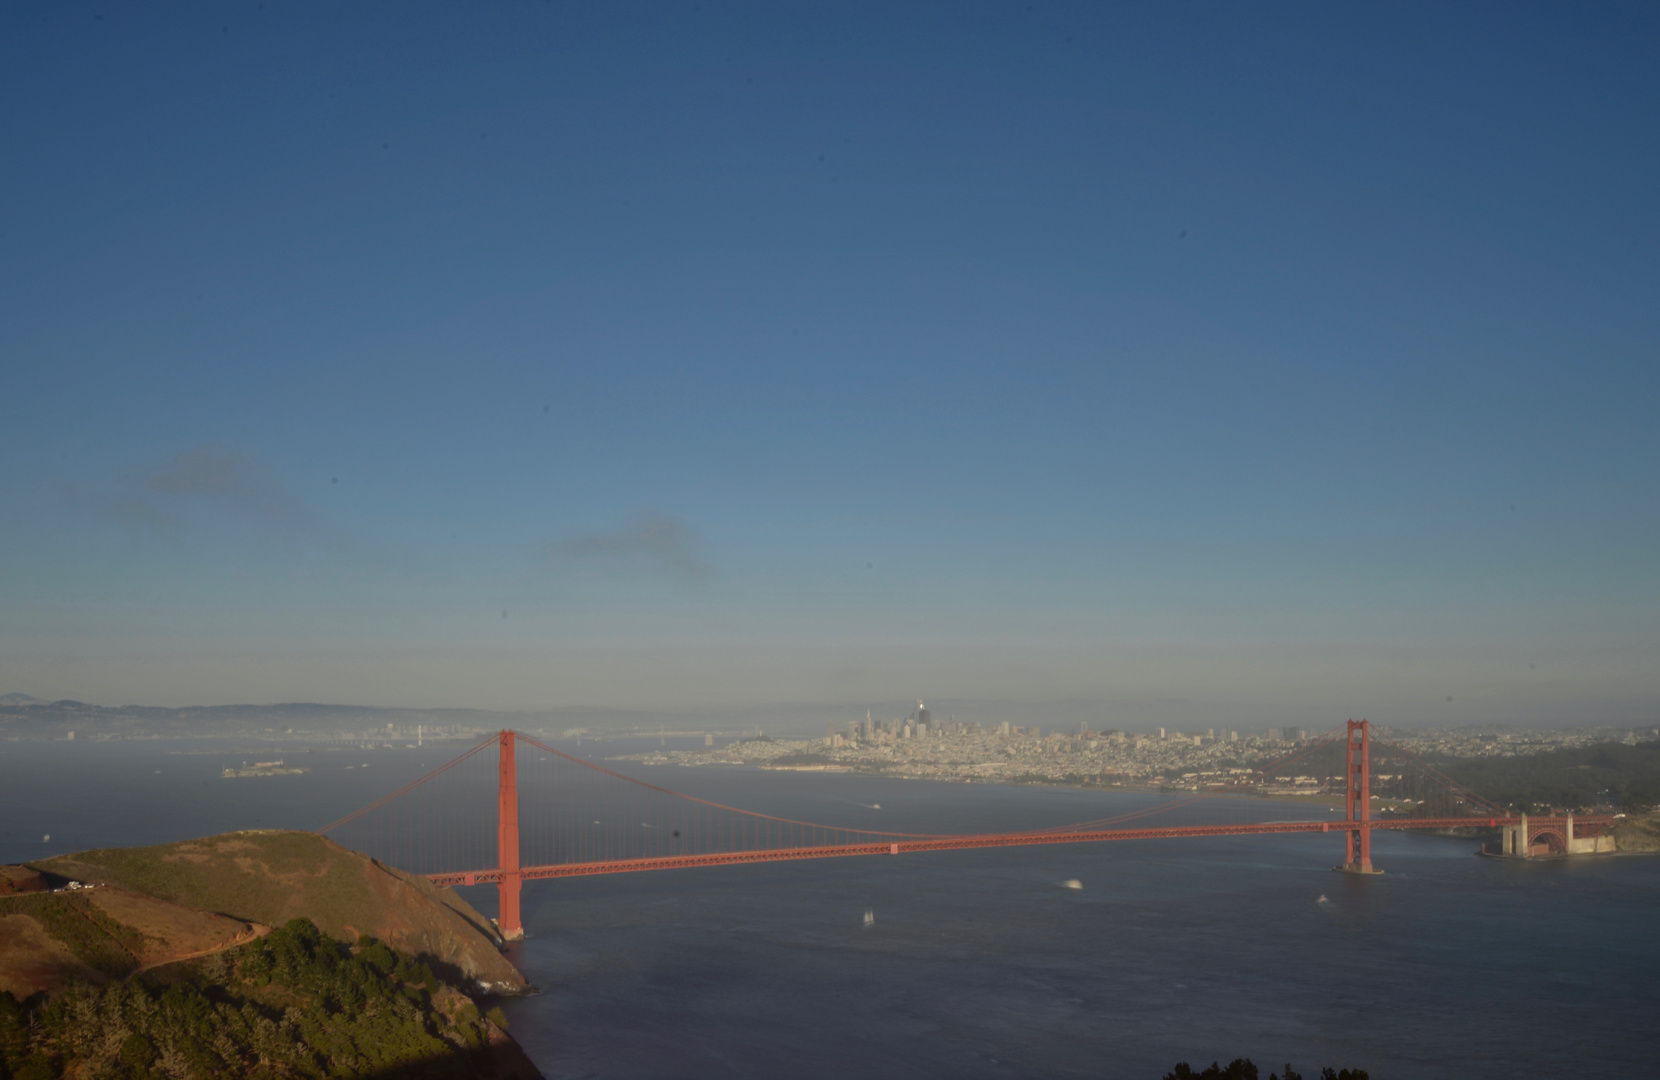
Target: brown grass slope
(31, 959)
(20, 879)
(1638, 833)
(51, 940)
(273, 876)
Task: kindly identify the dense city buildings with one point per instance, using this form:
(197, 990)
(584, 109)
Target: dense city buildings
(1215, 757)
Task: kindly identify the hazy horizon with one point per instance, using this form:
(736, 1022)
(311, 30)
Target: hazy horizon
(797, 719)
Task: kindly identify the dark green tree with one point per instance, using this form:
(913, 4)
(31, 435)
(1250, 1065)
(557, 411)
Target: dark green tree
(1237, 1069)
(1245, 1069)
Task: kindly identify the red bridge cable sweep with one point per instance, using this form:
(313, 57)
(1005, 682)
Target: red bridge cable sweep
(446, 826)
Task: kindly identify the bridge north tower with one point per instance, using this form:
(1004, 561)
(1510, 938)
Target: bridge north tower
(1357, 787)
(507, 840)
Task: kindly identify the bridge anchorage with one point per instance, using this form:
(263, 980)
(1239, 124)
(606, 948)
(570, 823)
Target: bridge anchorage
(513, 809)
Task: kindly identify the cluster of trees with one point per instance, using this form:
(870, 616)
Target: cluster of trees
(294, 1004)
(1627, 776)
(1244, 1069)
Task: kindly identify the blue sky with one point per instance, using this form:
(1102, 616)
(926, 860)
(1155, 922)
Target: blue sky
(1194, 361)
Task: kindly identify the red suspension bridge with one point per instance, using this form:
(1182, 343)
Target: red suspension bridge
(555, 815)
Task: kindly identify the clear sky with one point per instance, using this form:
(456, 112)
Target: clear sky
(1221, 362)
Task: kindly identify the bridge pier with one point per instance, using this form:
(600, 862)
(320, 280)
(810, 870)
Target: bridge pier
(1597, 843)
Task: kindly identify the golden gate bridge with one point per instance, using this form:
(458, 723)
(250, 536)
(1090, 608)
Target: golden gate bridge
(558, 816)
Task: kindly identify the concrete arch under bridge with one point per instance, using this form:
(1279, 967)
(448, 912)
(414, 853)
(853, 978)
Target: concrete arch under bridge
(1537, 837)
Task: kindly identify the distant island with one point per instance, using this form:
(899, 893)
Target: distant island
(253, 953)
(266, 768)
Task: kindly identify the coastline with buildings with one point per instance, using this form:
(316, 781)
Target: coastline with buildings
(922, 745)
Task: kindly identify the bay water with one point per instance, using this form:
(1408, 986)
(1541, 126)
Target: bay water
(983, 963)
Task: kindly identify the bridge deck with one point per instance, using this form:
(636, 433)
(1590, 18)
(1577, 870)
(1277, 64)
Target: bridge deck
(956, 843)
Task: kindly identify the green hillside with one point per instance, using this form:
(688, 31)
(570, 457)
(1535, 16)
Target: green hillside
(1625, 776)
(294, 1004)
(272, 877)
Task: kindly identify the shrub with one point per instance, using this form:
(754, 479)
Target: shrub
(296, 1003)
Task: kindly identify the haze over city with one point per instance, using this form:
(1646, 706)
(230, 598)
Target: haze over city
(1203, 365)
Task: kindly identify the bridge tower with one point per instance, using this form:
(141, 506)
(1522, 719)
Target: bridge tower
(1357, 820)
(507, 840)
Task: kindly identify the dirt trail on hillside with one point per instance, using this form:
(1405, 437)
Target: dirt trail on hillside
(254, 932)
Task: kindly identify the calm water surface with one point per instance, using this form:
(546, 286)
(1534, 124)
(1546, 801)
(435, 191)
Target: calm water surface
(981, 963)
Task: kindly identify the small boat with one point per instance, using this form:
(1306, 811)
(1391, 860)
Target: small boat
(870, 917)
(47, 839)
(1072, 883)
(1322, 899)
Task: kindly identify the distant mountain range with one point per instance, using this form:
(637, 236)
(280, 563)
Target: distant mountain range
(23, 716)
(26, 717)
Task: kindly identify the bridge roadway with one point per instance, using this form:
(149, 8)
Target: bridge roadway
(956, 843)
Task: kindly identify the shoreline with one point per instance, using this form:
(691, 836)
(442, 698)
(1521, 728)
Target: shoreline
(1329, 801)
